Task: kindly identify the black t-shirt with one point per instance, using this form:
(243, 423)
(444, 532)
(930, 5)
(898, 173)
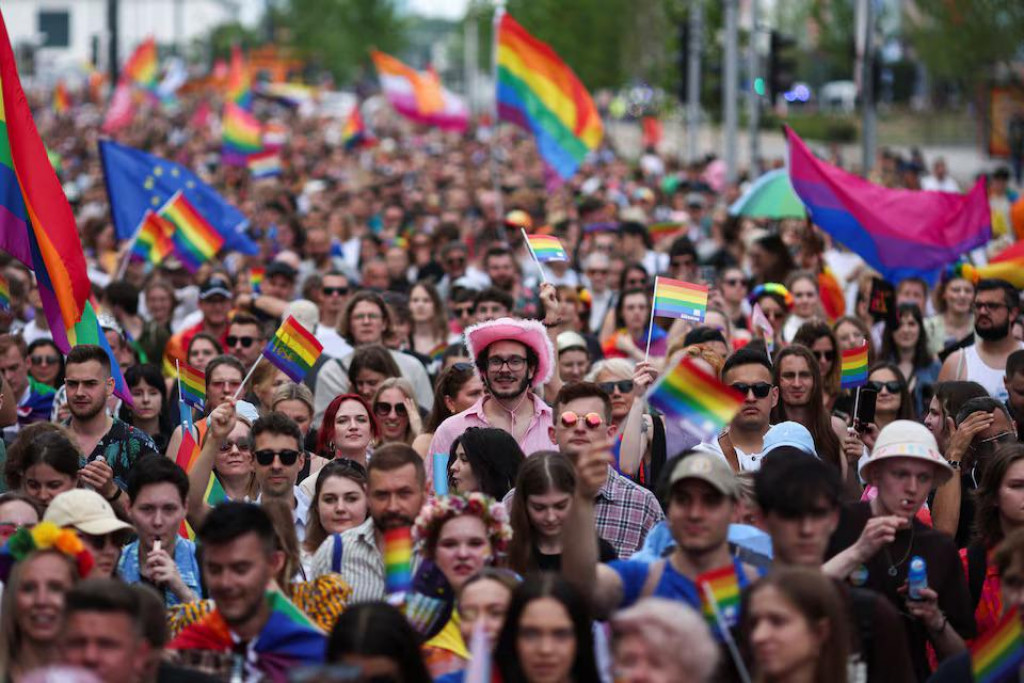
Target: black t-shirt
(945, 576)
(879, 642)
(553, 563)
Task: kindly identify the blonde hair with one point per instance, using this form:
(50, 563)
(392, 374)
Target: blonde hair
(405, 386)
(616, 366)
(675, 632)
(293, 392)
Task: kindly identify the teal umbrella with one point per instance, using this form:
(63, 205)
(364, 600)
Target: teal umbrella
(771, 196)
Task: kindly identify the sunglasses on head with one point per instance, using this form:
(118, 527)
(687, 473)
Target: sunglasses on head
(591, 420)
(625, 386)
(245, 342)
(462, 366)
(760, 389)
(893, 386)
(383, 409)
(44, 360)
(287, 456)
(345, 465)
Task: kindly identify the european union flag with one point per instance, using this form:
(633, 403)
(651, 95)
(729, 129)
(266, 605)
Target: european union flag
(138, 182)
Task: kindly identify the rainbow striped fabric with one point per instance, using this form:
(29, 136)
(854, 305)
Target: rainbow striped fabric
(195, 240)
(724, 587)
(398, 560)
(293, 349)
(142, 67)
(256, 276)
(61, 99)
(193, 386)
(855, 367)
(239, 89)
(419, 96)
(659, 231)
(241, 132)
(265, 164)
(678, 299)
(88, 331)
(998, 655)
(5, 294)
(695, 399)
(546, 248)
(354, 134)
(540, 93)
(153, 242)
(37, 226)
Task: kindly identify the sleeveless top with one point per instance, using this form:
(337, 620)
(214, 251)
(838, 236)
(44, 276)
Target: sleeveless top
(988, 377)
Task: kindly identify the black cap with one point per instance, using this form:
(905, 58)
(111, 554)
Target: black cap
(216, 285)
(280, 268)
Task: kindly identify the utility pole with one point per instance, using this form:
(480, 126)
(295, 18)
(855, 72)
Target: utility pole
(729, 86)
(114, 37)
(866, 52)
(179, 28)
(472, 43)
(693, 78)
(753, 97)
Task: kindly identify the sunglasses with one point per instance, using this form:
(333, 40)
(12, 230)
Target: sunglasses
(383, 409)
(462, 366)
(760, 389)
(993, 442)
(733, 281)
(825, 355)
(44, 360)
(98, 542)
(625, 386)
(245, 342)
(463, 311)
(287, 456)
(241, 444)
(331, 291)
(893, 387)
(591, 420)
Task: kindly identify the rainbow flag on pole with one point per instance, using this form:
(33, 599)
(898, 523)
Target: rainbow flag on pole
(264, 165)
(398, 559)
(546, 248)
(256, 275)
(355, 134)
(142, 67)
(241, 133)
(293, 349)
(659, 231)
(419, 95)
(998, 655)
(195, 240)
(239, 79)
(193, 386)
(724, 588)
(538, 92)
(153, 242)
(678, 299)
(855, 367)
(697, 400)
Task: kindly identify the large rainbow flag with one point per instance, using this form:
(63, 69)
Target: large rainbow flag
(153, 242)
(997, 656)
(419, 96)
(540, 93)
(143, 66)
(195, 240)
(239, 88)
(695, 399)
(37, 226)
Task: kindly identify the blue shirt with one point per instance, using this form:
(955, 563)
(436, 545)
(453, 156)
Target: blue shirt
(184, 557)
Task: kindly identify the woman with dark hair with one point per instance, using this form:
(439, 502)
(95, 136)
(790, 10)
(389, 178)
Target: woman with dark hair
(851, 333)
(203, 348)
(17, 510)
(770, 259)
(634, 276)
(546, 636)
(378, 640)
(46, 363)
(821, 340)
(43, 462)
(150, 412)
(544, 492)
(484, 459)
(893, 402)
(776, 303)
(794, 624)
(457, 389)
(632, 318)
(905, 343)
(369, 367)
(338, 502)
(349, 430)
(944, 406)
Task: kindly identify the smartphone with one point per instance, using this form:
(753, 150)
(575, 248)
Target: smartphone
(865, 410)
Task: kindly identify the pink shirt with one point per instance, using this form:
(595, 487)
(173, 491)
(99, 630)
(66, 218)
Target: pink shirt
(536, 438)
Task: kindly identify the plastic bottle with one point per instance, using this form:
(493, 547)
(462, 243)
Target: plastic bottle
(917, 578)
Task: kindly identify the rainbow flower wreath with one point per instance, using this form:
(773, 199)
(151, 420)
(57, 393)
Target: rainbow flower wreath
(441, 509)
(48, 536)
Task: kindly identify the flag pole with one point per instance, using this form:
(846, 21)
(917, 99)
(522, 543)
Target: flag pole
(123, 266)
(856, 404)
(499, 204)
(723, 628)
(650, 325)
(534, 255)
(184, 409)
(247, 377)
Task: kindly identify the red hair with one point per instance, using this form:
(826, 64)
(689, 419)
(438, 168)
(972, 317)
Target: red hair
(326, 435)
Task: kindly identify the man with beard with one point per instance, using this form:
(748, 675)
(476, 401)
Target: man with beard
(395, 492)
(89, 386)
(996, 306)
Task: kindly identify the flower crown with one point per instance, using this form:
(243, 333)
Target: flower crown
(775, 289)
(49, 536)
(441, 509)
(964, 270)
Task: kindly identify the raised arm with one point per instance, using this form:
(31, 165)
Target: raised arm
(220, 423)
(635, 432)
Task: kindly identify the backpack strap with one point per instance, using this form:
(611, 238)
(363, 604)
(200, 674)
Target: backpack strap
(729, 451)
(654, 573)
(977, 567)
(336, 554)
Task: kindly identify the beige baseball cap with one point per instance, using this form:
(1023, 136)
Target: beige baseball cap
(85, 511)
(708, 468)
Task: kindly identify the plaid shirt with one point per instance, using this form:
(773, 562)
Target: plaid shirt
(625, 512)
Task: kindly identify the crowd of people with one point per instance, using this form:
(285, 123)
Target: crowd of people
(573, 534)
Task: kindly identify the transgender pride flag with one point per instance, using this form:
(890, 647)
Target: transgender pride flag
(899, 233)
(419, 96)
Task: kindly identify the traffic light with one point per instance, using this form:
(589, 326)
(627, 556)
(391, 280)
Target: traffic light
(781, 65)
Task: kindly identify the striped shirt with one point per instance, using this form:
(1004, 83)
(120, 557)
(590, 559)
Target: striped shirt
(362, 563)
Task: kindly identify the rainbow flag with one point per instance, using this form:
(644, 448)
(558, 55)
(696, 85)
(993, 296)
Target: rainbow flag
(419, 96)
(546, 248)
(293, 349)
(61, 99)
(37, 226)
(538, 92)
(142, 67)
(153, 242)
(188, 451)
(241, 132)
(264, 165)
(398, 559)
(5, 294)
(355, 134)
(195, 240)
(88, 331)
(193, 386)
(724, 587)
(855, 367)
(678, 299)
(998, 655)
(659, 231)
(1006, 265)
(256, 276)
(695, 399)
(275, 136)
(239, 88)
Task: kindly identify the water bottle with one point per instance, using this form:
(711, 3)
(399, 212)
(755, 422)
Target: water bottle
(917, 578)
(87, 486)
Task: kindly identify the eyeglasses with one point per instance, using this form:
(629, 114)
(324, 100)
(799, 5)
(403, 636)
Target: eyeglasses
(44, 360)
(332, 291)
(625, 386)
(514, 363)
(825, 355)
(989, 306)
(370, 317)
(893, 387)
(760, 389)
(591, 420)
(993, 442)
(241, 444)
(266, 457)
(383, 409)
(245, 342)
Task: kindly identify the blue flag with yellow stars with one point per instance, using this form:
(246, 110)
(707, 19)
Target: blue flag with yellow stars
(138, 182)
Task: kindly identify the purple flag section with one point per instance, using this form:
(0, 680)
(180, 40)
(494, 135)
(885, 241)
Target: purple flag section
(899, 233)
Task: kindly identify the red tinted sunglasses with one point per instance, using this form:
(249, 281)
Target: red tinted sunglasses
(591, 420)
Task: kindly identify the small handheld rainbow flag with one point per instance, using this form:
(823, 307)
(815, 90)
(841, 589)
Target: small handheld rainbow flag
(659, 231)
(678, 299)
(61, 100)
(195, 240)
(724, 588)
(998, 655)
(293, 349)
(193, 386)
(546, 248)
(696, 399)
(142, 67)
(242, 132)
(153, 242)
(188, 451)
(256, 276)
(855, 367)
(264, 165)
(5, 294)
(355, 134)
(398, 559)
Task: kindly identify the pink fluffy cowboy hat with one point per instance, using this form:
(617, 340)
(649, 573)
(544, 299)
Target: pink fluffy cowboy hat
(530, 333)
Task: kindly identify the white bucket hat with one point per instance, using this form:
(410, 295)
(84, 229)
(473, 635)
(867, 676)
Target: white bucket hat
(907, 439)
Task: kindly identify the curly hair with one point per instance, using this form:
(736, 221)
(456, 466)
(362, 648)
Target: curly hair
(442, 509)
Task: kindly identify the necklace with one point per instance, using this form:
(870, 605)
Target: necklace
(910, 545)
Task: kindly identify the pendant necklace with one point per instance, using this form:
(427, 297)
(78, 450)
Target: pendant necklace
(893, 568)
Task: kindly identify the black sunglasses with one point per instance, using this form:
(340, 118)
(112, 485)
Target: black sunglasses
(893, 386)
(266, 457)
(760, 389)
(234, 340)
(383, 409)
(825, 355)
(330, 291)
(625, 386)
(462, 366)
